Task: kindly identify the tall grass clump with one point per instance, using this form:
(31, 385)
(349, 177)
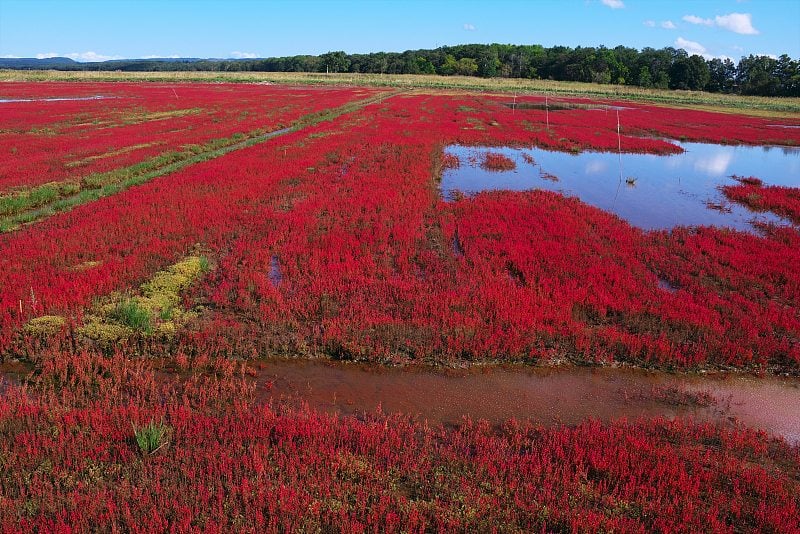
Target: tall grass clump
(151, 437)
(130, 313)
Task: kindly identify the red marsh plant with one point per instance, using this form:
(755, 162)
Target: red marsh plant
(70, 462)
(494, 161)
(751, 192)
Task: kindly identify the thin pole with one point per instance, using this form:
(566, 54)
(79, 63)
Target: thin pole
(619, 148)
(547, 112)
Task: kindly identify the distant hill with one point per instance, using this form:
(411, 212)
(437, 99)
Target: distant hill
(65, 63)
(34, 63)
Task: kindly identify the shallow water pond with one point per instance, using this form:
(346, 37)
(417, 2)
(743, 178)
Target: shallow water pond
(649, 191)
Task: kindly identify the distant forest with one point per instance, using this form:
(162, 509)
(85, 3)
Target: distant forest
(666, 68)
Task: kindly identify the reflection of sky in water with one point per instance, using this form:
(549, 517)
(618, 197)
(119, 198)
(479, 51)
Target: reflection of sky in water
(64, 99)
(648, 191)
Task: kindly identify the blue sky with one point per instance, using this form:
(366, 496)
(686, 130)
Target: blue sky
(95, 30)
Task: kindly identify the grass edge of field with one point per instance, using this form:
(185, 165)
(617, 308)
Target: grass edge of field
(786, 107)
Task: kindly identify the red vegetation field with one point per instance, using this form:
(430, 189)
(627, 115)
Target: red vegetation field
(333, 240)
(228, 464)
(376, 266)
(51, 141)
(751, 192)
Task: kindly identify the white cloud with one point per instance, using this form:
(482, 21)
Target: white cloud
(695, 48)
(693, 19)
(715, 165)
(666, 24)
(613, 4)
(595, 167)
(160, 56)
(470, 27)
(10, 56)
(46, 55)
(243, 55)
(737, 23)
(692, 47)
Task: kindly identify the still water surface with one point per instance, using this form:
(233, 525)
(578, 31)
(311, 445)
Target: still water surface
(56, 99)
(543, 395)
(649, 191)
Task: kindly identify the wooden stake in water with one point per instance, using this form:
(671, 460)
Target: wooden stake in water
(547, 112)
(619, 148)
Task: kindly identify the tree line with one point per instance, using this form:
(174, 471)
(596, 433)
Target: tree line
(665, 68)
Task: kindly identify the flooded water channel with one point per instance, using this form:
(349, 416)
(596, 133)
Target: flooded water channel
(543, 395)
(649, 191)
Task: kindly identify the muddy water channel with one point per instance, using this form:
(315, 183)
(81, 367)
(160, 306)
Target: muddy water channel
(543, 395)
(649, 191)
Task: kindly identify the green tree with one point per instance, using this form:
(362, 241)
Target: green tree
(449, 66)
(756, 75)
(467, 66)
(424, 66)
(334, 62)
(488, 62)
(689, 73)
(722, 75)
(788, 72)
(644, 79)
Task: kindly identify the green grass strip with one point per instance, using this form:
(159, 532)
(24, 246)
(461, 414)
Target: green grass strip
(97, 186)
(12, 222)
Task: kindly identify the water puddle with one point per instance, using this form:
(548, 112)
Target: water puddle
(275, 275)
(563, 106)
(61, 99)
(666, 285)
(649, 191)
(276, 133)
(12, 373)
(458, 249)
(543, 395)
